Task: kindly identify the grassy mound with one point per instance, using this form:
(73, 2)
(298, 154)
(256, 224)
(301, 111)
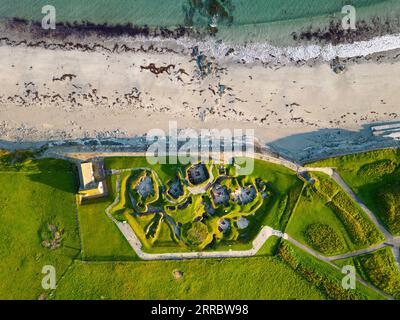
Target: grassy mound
(195, 233)
(377, 168)
(361, 230)
(379, 268)
(326, 187)
(313, 210)
(389, 202)
(323, 238)
(320, 274)
(325, 203)
(374, 176)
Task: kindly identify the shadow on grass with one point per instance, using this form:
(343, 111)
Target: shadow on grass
(375, 197)
(105, 200)
(64, 181)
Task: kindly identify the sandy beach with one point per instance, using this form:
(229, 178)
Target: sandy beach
(60, 93)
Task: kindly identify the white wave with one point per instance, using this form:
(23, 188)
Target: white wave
(251, 52)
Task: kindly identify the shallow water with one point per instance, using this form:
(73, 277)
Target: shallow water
(250, 20)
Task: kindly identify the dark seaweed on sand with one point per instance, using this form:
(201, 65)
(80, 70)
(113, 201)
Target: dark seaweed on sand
(335, 33)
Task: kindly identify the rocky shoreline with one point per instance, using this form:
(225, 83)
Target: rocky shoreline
(359, 142)
(335, 34)
(312, 46)
(121, 87)
(86, 29)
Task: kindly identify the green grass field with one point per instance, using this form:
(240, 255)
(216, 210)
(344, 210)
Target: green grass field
(270, 247)
(32, 196)
(375, 177)
(92, 262)
(263, 277)
(101, 239)
(253, 278)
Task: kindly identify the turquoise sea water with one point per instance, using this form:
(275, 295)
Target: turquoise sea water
(256, 20)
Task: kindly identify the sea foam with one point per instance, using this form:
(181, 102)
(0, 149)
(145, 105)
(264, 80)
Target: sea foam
(266, 52)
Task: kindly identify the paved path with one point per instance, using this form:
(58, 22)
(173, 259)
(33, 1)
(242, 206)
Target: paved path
(79, 153)
(357, 253)
(308, 249)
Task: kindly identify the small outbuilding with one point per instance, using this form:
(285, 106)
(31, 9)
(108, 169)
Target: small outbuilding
(92, 181)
